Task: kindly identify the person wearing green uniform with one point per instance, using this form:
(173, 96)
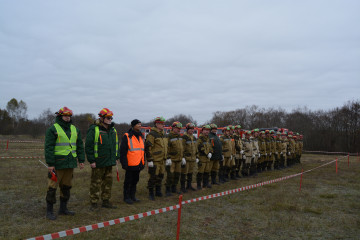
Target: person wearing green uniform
(216, 160)
(205, 153)
(63, 149)
(175, 156)
(156, 152)
(102, 151)
(191, 157)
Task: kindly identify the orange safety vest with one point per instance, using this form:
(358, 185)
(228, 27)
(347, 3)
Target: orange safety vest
(136, 150)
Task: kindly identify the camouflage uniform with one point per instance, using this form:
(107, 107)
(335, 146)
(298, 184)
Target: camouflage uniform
(204, 148)
(105, 159)
(227, 151)
(238, 155)
(248, 149)
(292, 149)
(262, 151)
(190, 154)
(156, 146)
(278, 152)
(284, 147)
(175, 153)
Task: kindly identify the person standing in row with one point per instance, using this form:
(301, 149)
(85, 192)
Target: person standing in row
(63, 149)
(205, 153)
(132, 159)
(156, 146)
(227, 153)
(216, 158)
(102, 151)
(238, 150)
(175, 158)
(191, 157)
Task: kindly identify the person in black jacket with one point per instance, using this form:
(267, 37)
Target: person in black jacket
(132, 157)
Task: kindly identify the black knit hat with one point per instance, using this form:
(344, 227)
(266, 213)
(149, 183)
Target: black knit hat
(134, 122)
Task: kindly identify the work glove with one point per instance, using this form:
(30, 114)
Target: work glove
(168, 162)
(222, 159)
(242, 152)
(288, 153)
(244, 157)
(151, 164)
(265, 154)
(253, 156)
(270, 154)
(281, 153)
(209, 155)
(259, 155)
(197, 160)
(276, 152)
(231, 157)
(183, 162)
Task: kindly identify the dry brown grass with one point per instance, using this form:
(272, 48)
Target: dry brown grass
(327, 207)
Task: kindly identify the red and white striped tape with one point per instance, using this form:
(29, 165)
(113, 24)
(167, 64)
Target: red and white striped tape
(27, 141)
(167, 209)
(24, 157)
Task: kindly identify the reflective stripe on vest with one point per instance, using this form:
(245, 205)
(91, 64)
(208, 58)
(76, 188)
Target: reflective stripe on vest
(64, 146)
(135, 153)
(96, 142)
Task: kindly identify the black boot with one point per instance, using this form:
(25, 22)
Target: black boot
(168, 191)
(174, 190)
(183, 189)
(50, 211)
(206, 180)
(63, 208)
(198, 180)
(213, 178)
(232, 175)
(107, 204)
(237, 174)
(151, 193)
(132, 194)
(127, 197)
(158, 191)
(226, 175)
(189, 181)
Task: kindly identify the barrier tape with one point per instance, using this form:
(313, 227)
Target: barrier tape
(19, 149)
(27, 141)
(24, 157)
(166, 209)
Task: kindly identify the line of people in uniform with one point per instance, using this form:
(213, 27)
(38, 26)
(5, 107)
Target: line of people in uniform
(215, 159)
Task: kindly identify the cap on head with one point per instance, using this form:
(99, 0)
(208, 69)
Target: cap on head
(64, 111)
(238, 127)
(213, 126)
(105, 112)
(134, 122)
(159, 120)
(190, 126)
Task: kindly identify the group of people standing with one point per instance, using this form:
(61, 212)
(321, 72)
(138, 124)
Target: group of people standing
(215, 159)
(64, 149)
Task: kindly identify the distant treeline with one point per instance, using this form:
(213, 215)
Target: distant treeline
(333, 130)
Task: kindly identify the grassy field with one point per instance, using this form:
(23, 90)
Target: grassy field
(328, 206)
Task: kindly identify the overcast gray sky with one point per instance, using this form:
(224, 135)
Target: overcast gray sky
(151, 58)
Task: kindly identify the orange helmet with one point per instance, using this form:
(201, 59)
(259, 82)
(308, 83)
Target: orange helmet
(65, 111)
(105, 112)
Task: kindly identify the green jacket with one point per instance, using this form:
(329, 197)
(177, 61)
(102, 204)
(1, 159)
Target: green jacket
(107, 154)
(62, 162)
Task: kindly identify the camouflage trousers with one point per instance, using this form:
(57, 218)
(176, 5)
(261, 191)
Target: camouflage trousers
(173, 173)
(156, 174)
(101, 183)
(189, 167)
(64, 178)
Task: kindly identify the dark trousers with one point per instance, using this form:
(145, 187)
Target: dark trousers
(131, 178)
